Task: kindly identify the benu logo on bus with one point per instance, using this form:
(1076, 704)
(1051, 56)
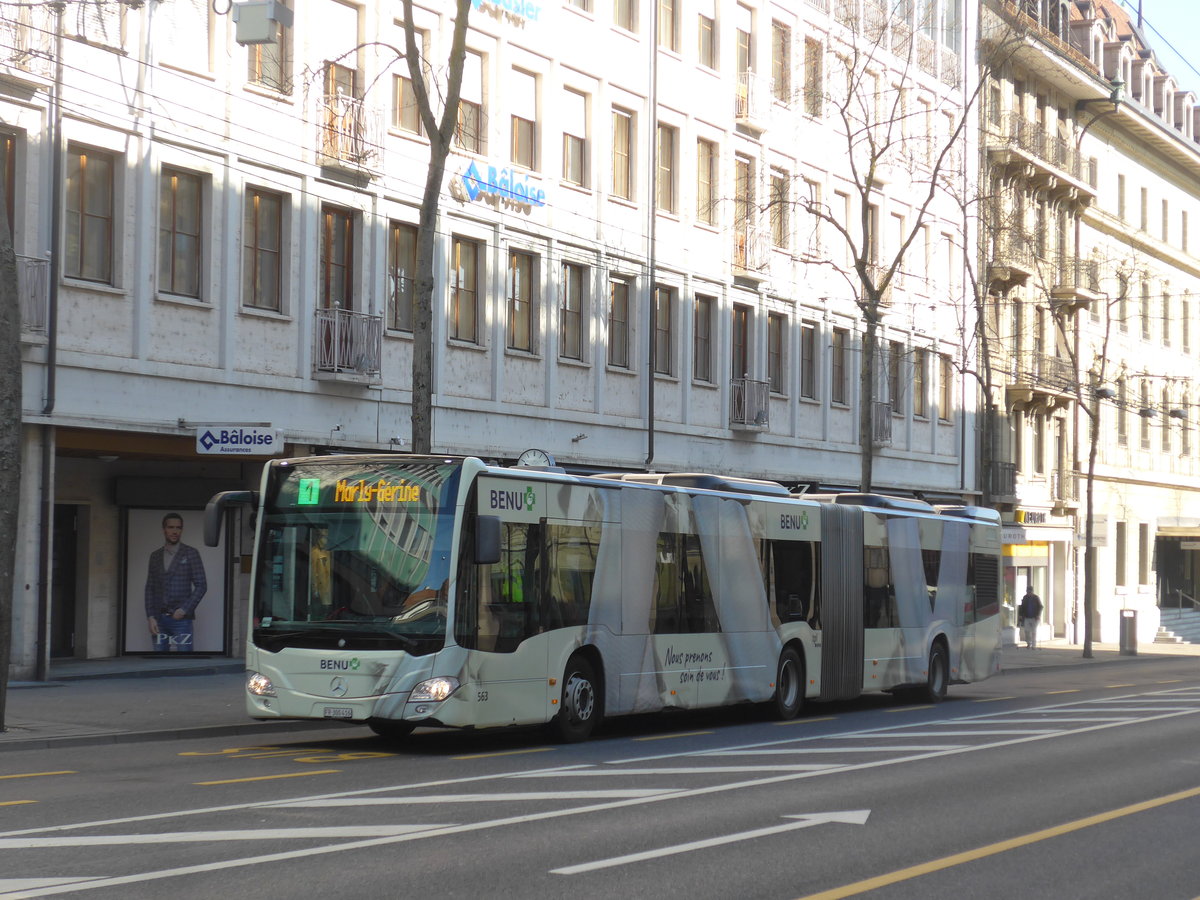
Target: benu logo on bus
(342, 664)
(514, 499)
(789, 522)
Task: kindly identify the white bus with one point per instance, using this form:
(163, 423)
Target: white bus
(398, 591)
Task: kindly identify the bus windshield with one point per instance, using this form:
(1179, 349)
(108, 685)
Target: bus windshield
(355, 555)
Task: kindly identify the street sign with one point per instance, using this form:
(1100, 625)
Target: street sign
(238, 440)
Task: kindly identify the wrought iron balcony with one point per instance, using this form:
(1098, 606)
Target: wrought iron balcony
(1045, 158)
(1077, 286)
(1040, 382)
(1002, 481)
(348, 134)
(33, 288)
(1012, 263)
(751, 100)
(27, 41)
(751, 250)
(749, 404)
(881, 424)
(1064, 490)
(348, 346)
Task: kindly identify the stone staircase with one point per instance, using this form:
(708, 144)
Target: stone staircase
(1178, 626)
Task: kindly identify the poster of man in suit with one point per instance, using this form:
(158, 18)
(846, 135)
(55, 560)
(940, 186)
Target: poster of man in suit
(174, 597)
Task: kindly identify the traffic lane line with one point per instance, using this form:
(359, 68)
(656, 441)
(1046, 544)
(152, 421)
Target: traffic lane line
(958, 859)
(267, 777)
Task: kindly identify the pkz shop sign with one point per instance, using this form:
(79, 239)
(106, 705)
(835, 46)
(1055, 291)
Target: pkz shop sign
(237, 440)
(503, 188)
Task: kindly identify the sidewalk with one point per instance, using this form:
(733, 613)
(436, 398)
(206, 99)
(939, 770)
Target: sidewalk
(129, 699)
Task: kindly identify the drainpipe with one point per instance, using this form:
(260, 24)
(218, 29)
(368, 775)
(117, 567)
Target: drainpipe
(652, 182)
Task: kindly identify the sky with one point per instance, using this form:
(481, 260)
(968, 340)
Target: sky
(1173, 29)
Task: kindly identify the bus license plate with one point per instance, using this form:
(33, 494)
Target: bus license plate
(339, 712)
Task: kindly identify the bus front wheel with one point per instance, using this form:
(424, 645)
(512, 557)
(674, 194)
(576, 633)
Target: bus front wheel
(580, 707)
(789, 684)
(937, 676)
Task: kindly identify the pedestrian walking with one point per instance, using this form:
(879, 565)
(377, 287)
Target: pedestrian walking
(1029, 613)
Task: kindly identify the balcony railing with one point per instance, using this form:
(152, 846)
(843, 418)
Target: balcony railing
(33, 287)
(348, 133)
(881, 424)
(749, 406)
(27, 40)
(1064, 487)
(751, 100)
(751, 249)
(348, 345)
(1040, 370)
(1002, 480)
(1056, 153)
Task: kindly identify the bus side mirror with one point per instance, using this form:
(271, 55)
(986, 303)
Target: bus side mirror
(487, 540)
(214, 512)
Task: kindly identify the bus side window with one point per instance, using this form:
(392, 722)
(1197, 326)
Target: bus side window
(879, 594)
(795, 583)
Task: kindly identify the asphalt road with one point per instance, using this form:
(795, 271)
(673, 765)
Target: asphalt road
(1039, 784)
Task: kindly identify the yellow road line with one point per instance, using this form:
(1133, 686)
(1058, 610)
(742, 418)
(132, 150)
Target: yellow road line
(909, 708)
(1172, 681)
(1119, 685)
(1068, 691)
(667, 737)
(269, 777)
(39, 774)
(806, 721)
(505, 753)
(957, 859)
(15, 802)
(992, 699)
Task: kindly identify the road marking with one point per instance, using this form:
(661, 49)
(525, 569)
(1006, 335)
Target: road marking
(190, 837)
(667, 737)
(1131, 684)
(688, 770)
(1172, 681)
(806, 721)
(440, 832)
(1069, 691)
(792, 751)
(478, 798)
(16, 802)
(38, 774)
(16, 885)
(969, 732)
(947, 862)
(992, 699)
(855, 817)
(505, 753)
(909, 708)
(268, 777)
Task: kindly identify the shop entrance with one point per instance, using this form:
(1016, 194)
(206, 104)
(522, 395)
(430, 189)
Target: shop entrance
(63, 577)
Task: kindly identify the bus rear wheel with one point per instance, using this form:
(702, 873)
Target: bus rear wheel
(580, 707)
(937, 676)
(390, 729)
(789, 684)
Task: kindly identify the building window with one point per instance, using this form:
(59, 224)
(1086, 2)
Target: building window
(406, 114)
(1144, 404)
(1039, 445)
(895, 376)
(1122, 414)
(520, 301)
(945, 387)
(739, 343)
(88, 227)
(1166, 420)
(1121, 211)
(8, 172)
(464, 290)
(401, 268)
(781, 62)
(1144, 217)
(571, 319)
(337, 258)
(781, 209)
(776, 331)
(1121, 552)
(262, 250)
(622, 154)
(702, 345)
(838, 373)
(524, 119)
(706, 182)
(665, 188)
(179, 224)
(270, 65)
(1145, 309)
(585, 5)
(668, 24)
(1185, 324)
(920, 382)
(814, 78)
(618, 323)
(625, 14)
(574, 113)
(1166, 319)
(808, 360)
(1144, 546)
(708, 37)
(743, 210)
(469, 132)
(664, 299)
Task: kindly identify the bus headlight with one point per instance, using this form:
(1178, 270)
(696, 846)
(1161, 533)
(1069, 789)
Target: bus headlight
(435, 689)
(260, 685)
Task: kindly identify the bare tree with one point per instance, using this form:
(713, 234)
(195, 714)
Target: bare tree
(885, 138)
(10, 438)
(440, 132)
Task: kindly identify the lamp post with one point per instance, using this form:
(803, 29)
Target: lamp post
(1114, 99)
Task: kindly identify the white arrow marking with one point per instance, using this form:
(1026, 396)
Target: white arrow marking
(850, 817)
(187, 837)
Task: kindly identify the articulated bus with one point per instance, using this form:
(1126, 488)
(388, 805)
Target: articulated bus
(400, 591)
